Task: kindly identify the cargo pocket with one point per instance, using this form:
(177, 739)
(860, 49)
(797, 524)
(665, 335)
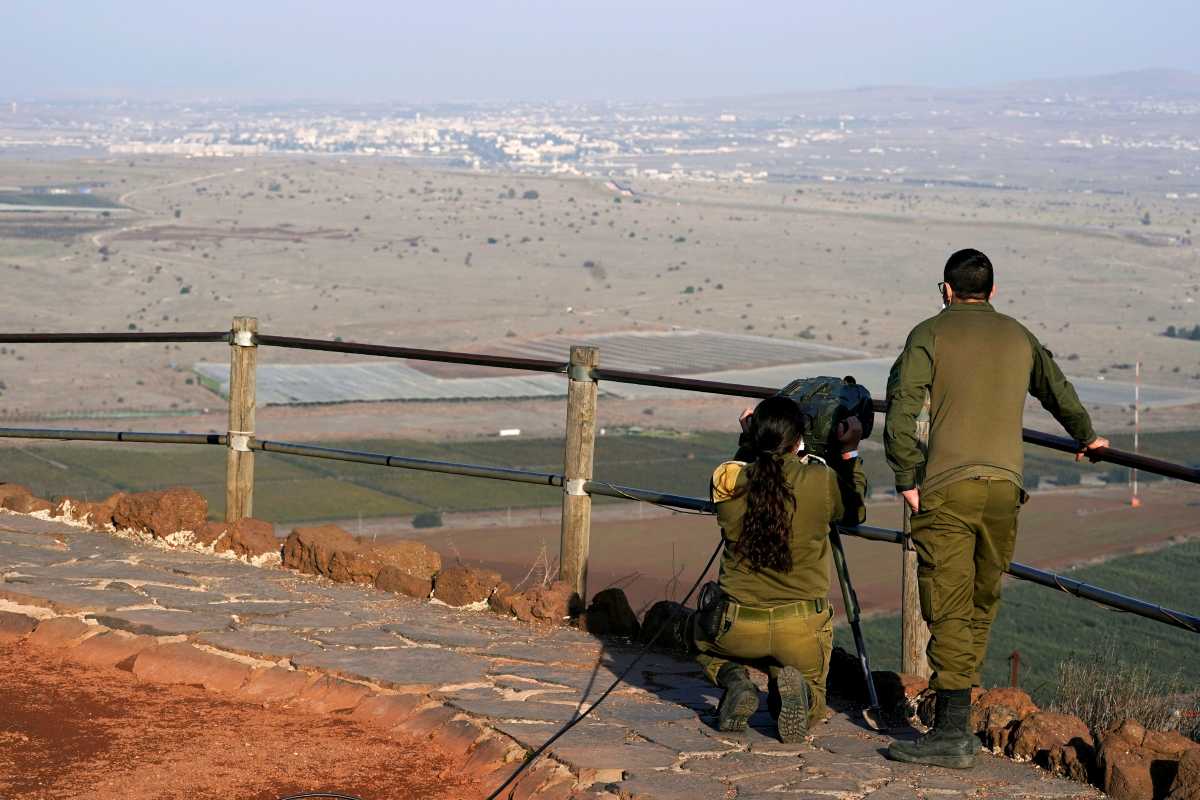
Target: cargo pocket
(925, 592)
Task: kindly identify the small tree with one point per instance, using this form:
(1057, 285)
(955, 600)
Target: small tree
(427, 519)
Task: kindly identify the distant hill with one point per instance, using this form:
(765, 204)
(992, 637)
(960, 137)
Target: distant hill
(1159, 83)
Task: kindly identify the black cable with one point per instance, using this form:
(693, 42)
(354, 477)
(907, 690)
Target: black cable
(645, 649)
(321, 796)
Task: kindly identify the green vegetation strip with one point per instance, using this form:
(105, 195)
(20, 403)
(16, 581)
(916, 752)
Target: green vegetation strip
(667, 462)
(1047, 633)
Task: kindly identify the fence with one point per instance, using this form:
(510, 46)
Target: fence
(583, 372)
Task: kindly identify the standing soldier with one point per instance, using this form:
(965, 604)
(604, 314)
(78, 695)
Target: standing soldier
(976, 366)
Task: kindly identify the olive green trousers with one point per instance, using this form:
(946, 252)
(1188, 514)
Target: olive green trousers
(787, 637)
(964, 536)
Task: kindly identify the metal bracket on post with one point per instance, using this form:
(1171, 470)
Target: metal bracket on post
(239, 441)
(242, 339)
(578, 372)
(574, 487)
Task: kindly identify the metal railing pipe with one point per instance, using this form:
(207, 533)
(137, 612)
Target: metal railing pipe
(113, 338)
(1121, 602)
(683, 384)
(412, 353)
(402, 462)
(66, 434)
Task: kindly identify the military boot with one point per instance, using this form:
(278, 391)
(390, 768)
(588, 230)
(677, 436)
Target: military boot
(951, 742)
(740, 700)
(788, 702)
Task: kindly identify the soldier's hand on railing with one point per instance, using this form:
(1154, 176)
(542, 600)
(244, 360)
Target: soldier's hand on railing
(1090, 448)
(913, 498)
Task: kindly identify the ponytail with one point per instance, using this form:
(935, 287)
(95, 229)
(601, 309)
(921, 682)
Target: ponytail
(765, 541)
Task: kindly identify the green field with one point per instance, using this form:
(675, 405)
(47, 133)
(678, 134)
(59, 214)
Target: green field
(71, 200)
(1048, 626)
(293, 488)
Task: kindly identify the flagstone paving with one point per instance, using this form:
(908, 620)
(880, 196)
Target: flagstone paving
(652, 738)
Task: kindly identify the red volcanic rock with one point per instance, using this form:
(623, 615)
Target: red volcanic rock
(61, 632)
(899, 692)
(274, 685)
(1186, 785)
(98, 514)
(179, 662)
(330, 551)
(12, 490)
(553, 603)
(253, 537)
(509, 603)
(462, 586)
(210, 533)
(17, 498)
(310, 550)
(1061, 743)
(246, 537)
(1135, 763)
(609, 614)
(391, 579)
(996, 713)
(362, 562)
(161, 513)
(327, 694)
(15, 626)
(110, 648)
(387, 710)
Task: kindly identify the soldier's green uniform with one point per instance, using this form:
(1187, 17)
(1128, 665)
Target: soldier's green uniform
(977, 366)
(778, 619)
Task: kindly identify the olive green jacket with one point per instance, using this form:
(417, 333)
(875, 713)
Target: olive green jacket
(977, 366)
(823, 497)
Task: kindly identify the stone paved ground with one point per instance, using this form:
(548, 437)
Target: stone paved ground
(650, 739)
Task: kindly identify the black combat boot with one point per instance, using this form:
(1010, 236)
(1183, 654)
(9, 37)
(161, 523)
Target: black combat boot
(788, 701)
(951, 742)
(740, 700)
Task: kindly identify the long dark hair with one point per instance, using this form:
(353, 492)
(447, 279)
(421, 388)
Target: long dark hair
(775, 430)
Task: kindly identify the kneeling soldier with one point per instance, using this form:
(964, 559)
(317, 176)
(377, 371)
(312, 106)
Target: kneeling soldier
(770, 609)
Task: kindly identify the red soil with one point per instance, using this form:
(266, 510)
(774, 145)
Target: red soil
(68, 731)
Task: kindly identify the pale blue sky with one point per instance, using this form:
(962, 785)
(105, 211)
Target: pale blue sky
(538, 49)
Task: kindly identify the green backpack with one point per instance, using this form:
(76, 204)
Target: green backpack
(825, 402)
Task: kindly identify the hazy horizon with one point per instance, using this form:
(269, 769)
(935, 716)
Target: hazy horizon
(620, 51)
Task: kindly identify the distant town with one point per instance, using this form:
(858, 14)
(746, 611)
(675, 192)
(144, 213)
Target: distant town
(1000, 140)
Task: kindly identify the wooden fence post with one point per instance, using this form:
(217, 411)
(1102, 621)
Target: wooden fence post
(239, 464)
(577, 467)
(914, 633)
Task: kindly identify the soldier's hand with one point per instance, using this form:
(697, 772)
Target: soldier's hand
(744, 419)
(913, 498)
(1090, 448)
(849, 433)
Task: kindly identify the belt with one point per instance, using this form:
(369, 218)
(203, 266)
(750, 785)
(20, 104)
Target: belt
(800, 608)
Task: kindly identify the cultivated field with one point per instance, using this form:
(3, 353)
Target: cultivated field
(375, 250)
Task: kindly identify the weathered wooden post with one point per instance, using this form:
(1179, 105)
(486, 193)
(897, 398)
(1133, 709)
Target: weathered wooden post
(239, 464)
(577, 468)
(914, 633)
